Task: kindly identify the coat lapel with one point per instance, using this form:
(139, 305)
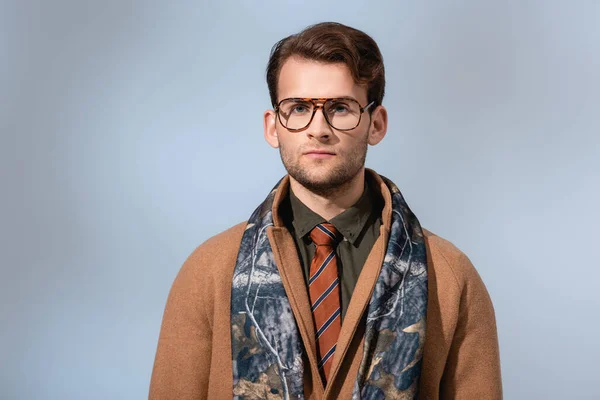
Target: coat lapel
(366, 280)
(292, 277)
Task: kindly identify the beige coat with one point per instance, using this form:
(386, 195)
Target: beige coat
(194, 361)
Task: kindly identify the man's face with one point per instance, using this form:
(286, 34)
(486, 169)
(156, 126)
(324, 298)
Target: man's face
(345, 150)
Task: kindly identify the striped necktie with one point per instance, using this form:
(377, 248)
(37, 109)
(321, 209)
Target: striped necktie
(324, 290)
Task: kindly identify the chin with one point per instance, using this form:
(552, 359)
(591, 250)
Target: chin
(318, 172)
(322, 180)
(317, 180)
(323, 176)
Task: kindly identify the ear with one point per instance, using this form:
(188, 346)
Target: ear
(270, 122)
(378, 128)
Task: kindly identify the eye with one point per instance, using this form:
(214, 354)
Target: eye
(299, 109)
(339, 108)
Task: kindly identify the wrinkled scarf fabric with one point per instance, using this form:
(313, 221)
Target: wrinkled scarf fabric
(266, 345)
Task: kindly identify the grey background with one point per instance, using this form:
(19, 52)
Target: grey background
(121, 151)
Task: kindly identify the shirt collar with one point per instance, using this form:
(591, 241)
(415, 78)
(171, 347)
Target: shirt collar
(349, 223)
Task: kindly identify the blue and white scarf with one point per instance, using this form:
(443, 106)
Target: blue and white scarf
(266, 345)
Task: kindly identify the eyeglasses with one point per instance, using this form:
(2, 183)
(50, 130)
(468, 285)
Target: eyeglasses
(341, 113)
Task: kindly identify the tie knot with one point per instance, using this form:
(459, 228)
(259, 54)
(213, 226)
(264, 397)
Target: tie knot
(325, 235)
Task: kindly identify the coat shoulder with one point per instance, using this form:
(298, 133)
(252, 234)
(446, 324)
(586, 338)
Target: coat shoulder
(219, 249)
(226, 239)
(446, 256)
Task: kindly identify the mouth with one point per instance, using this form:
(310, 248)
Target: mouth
(319, 154)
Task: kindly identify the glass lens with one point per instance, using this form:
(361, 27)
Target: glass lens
(342, 113)
(295, 114)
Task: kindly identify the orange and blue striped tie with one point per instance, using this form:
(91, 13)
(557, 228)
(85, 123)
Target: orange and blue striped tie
(324, 290)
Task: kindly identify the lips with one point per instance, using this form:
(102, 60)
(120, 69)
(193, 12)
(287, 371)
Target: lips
(319, 154)
(324, 152)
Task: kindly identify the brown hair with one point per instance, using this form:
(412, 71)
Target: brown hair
(332, 42)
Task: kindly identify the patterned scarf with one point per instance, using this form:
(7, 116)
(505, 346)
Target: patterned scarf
(266, 345)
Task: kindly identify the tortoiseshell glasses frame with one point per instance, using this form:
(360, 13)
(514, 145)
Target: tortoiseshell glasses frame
(320, 102)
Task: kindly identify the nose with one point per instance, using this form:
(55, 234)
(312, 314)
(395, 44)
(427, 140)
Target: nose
(319, 128)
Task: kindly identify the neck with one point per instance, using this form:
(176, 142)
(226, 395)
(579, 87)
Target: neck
(335, 202)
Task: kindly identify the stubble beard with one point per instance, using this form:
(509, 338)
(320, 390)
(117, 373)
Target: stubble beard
(336, 179)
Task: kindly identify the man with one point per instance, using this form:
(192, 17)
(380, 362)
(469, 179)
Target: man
(331, 289)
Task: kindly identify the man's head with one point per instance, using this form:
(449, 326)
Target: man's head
(325, 61)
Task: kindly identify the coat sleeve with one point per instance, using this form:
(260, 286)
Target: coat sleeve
(182, 363)
(473, 366)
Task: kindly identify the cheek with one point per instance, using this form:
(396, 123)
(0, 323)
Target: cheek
(287, 142)
(365, 122)
(356, 141)
(361, 132)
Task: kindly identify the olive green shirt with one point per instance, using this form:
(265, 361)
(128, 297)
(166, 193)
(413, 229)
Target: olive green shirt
(359, 225)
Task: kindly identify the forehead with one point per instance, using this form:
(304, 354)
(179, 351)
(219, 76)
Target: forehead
(308, 78)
